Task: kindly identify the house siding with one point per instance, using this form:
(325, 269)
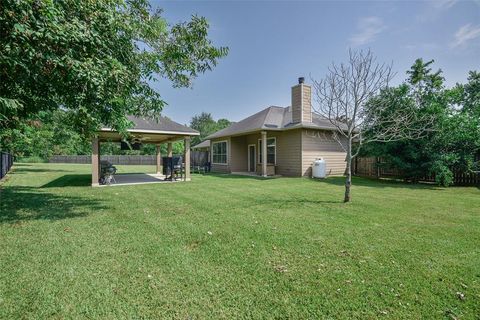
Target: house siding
(239, 154)
(319, 143)
(296, 151)
(288, 160)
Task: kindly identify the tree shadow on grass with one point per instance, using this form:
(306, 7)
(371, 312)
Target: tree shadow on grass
(26, 204)
(26, 170)
(70, 180)
(239, 176)
(281, 203)
(376, 183)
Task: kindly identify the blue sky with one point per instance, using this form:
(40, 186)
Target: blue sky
(272, 43)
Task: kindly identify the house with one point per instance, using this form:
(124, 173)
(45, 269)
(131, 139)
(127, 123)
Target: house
(279, 141)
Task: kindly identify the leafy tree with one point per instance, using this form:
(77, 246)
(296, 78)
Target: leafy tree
(94, 59)
(50, 134)
(471, 94)
(205, 124)
(453, 137)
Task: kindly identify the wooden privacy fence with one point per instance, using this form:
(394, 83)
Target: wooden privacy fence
(120, 159)
(198, 158)
(6, 162)
(372, 167)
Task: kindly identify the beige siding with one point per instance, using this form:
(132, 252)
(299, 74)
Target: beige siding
(239, 154)
(319, 143)
(289, 153)
(288, 160)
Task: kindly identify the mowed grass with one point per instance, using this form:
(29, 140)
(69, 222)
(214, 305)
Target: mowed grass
(228, 247)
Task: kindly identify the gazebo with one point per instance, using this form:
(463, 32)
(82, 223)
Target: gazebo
(150, 131)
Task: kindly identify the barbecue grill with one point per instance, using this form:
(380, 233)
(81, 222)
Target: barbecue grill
(172, 167)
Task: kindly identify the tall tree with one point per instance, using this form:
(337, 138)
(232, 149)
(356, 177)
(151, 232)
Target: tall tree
(206, 125)
(454, 135)
(49, 135)
(95, 59)
(342, 98)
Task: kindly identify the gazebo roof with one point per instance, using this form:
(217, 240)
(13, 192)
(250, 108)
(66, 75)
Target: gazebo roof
(150, 130)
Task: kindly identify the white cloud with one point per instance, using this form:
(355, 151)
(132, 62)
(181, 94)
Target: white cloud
(368, 29)
(465, 34)
(444, 4)
(434, 10)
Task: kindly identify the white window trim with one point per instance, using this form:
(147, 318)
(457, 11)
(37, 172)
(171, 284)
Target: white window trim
(258, 158)
(248, 154)
(215, 142)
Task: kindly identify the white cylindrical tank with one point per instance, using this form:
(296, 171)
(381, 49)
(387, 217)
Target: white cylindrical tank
(319, 168)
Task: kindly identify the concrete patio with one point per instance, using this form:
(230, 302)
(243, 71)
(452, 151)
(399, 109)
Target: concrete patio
(127, 179)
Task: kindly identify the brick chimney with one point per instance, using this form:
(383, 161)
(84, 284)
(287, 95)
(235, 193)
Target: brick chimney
(301, 102)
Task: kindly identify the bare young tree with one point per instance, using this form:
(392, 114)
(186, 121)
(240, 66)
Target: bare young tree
(342, 98)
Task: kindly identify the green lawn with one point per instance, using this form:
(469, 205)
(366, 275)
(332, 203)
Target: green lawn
(235, 247)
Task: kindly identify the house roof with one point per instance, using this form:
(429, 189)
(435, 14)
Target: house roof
(203, 144)
(272, 118)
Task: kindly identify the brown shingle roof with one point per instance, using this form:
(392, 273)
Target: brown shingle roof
(161, 125)
(272, 118)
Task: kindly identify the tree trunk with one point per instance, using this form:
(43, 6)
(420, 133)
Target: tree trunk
(348, 181)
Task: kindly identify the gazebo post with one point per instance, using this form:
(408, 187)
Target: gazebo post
(186, 156)
(170, 150)
(95, 161)
(159, 159)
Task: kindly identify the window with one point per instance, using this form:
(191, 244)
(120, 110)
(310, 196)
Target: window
(219, 152)
(271, 151)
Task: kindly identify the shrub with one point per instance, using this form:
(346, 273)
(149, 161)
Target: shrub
(443, 174)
